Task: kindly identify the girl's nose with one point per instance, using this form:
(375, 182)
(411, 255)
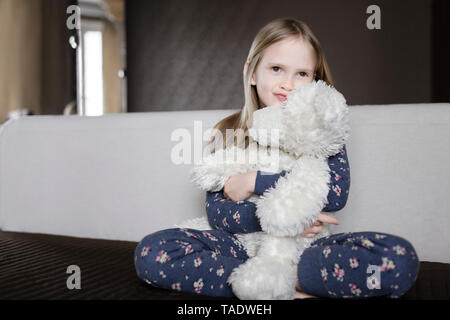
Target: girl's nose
(287, 84)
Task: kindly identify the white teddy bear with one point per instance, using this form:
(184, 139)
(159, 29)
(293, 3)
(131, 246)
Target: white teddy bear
(310, 126)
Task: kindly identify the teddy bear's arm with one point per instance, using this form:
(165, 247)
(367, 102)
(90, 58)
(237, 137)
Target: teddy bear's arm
(339, 185)
(215, 169)
(297, 199)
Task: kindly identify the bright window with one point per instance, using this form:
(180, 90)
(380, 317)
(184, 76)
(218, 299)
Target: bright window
(93, 69)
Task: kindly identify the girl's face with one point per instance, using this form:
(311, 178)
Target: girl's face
(284, 66)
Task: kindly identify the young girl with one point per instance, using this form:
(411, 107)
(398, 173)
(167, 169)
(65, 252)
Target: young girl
(284, 55)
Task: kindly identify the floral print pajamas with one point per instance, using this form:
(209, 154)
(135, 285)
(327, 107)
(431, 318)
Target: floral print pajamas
(337, 266)
(358, 265)
(189, 260)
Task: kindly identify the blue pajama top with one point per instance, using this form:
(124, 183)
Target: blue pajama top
(240, 216)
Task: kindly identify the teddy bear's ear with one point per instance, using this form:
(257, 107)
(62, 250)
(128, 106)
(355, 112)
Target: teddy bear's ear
(315, 120)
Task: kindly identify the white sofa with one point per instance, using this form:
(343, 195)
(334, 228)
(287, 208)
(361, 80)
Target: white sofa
(114, 176)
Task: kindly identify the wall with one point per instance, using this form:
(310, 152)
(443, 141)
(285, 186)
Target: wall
(37, 66)
(20, 55)
(113, 57)
(58, 84)
(185, 55)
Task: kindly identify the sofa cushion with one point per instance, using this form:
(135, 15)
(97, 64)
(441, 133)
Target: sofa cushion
(117, 176)
(34, 266)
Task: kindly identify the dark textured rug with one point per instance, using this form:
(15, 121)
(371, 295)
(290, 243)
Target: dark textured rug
(34, 266)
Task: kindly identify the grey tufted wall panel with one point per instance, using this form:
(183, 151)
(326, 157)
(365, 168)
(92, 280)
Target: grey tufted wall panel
(185, 55)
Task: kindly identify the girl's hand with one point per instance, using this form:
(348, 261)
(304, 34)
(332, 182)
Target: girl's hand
(316, 227)
(240, 186)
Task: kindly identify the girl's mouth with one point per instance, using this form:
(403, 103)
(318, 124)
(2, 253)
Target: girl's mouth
(281, 97)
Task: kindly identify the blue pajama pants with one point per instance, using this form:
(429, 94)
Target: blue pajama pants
(344, 265)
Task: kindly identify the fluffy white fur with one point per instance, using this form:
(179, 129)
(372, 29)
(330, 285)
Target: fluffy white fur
(311, 125)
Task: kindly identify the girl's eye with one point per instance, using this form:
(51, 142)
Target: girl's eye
(273, 68)
(302, 73)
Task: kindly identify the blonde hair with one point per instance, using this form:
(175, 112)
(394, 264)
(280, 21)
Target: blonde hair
(271, 33)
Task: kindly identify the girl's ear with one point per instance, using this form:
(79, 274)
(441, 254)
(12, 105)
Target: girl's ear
(246, 67)
(252, 81)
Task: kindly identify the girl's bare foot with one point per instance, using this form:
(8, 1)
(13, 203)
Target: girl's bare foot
(302, 295)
